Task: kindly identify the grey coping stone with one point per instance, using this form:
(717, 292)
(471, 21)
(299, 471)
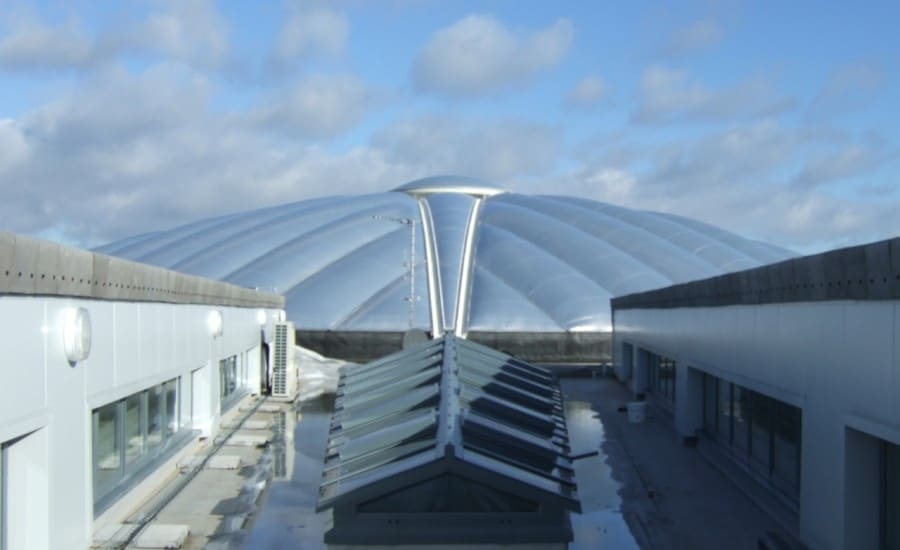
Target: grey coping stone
(224, 462)
(160, 535)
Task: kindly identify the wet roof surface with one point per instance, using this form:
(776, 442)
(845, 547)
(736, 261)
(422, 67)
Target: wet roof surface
(288, 518)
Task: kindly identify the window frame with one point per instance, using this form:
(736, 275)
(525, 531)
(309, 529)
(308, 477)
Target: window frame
(129, 473)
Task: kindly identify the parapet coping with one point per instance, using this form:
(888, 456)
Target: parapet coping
(865, 272)
(35, 267)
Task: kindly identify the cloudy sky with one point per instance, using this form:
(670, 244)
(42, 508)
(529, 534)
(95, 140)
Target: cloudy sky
(777, 120)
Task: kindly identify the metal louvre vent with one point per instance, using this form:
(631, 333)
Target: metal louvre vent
(473, 437)
(280, 361)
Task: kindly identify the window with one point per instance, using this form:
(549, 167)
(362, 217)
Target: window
(228, 382)
(107, 448)
(129, 436)
(662, 377)
(740, 408)
(761, 432)
(786, 446)
(890, 516)
(710, 405)
(724, 411)
(761, 410)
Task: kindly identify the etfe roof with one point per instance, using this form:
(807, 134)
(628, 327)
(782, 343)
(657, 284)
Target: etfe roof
(484, 260)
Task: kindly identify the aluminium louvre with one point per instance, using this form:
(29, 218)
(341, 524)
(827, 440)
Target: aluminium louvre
(449, 442)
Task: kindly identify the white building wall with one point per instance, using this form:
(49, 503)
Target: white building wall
(837, 360)
(46, 402)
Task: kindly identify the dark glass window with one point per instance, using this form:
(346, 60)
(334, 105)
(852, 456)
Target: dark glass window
(786, 431)
(725, 411)
(228, 380)
(740, 410)
(710, 405)
(763, 433)
(128, 434)
(891, 506)
(662, 377)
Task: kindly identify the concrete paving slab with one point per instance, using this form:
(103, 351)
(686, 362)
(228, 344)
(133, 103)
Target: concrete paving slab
(189, 463)
(248, 439)
(112, 534)
(159, 535)
(224, 462)
(262, 424)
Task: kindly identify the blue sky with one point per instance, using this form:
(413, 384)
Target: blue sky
(775, 120)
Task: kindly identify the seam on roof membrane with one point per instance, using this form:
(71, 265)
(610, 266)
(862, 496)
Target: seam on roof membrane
(347, 254)
(500, 280)
(625, 223)
(247, 223)
(367, 304)
(588, 234)
(318, 232)
(541, 252)
(250, 233)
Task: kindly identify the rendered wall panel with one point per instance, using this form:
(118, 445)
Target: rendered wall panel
(837, 360)
(22, 350)
(100, 366)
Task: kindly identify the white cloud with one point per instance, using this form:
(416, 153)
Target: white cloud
(851, 161)
(312, 32)
(500, 151)
(740, 179)
(319, 106)
(671, 95)
(127, 153)
(588, 93)
(849, 87)
(189, 31)
(478, 55)
(699, 35)
(34, 45)
(193, 31)
(13, 145)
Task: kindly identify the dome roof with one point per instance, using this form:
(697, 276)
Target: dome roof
(482, 259)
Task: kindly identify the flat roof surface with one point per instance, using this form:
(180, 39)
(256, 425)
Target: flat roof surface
(643, 488)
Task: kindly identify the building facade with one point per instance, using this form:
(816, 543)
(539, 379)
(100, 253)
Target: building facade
(112, 370)
(792, 372)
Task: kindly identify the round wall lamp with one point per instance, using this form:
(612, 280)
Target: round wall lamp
(214, 323)
(76, 334)
(261, 317)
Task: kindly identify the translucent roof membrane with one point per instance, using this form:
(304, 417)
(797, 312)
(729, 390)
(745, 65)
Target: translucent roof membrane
(448, 401)
(537, 262)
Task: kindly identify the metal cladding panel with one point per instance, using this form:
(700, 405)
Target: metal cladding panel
(450, 216)
(444, 403)
(538, 263)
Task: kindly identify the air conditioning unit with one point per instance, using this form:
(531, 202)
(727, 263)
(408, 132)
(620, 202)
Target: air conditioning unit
(284, 372)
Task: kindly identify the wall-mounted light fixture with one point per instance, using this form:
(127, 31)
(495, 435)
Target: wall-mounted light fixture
(261, 317)
(76, 334)
(214, 323)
